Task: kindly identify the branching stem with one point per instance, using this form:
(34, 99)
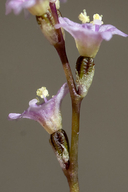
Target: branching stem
(72, 172)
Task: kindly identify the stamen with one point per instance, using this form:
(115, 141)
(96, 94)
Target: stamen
(97, 19)
(42, 92)
(83, 17)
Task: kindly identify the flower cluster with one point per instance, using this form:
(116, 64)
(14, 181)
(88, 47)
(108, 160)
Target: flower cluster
(88, 37)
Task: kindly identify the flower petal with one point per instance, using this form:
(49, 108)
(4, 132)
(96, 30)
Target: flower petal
(33, 102)
(106, 35)
(16, 6)
(13, 116)
(113, 30)
(62, 92)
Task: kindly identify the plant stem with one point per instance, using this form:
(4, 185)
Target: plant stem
(60, 47)
(73, 168)
(72, 172)
(67, 70)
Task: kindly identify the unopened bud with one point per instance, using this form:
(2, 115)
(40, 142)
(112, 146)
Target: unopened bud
(84, 74)
(60, 144)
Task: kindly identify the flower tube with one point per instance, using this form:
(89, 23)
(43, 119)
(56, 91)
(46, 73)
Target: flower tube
(48, 113)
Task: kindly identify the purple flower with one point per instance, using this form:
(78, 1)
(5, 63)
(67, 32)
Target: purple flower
(35, 7)
(88, 36)
(48, 113)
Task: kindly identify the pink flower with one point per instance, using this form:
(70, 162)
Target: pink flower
(48, 113)
(88, 36)
(35, 7)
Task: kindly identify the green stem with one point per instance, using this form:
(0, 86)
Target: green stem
(72, 172)
(75, 135)
(73, 168)
(67, 70)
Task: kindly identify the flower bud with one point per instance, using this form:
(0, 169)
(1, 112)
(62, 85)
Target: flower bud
(84, 74)
(60, 144)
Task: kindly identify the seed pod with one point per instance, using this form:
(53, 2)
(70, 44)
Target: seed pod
(84, 74)
(60, 144)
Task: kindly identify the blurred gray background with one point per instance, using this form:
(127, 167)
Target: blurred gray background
(27, 62)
